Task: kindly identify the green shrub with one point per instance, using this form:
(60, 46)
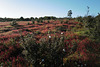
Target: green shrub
(41, 21)
(38, 20)
(28, 23)
(62, 28)
(13, 23)
(93, 25)
(75, 45)
(38, 32)
(48, 21)
(49, 52)
(61, 22)
(79, 19)
(66, 22)
(33, 21)
(28, 30)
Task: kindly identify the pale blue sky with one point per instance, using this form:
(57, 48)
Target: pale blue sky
(40, 8)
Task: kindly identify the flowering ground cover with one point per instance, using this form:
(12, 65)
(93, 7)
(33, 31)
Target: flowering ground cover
(52, 43)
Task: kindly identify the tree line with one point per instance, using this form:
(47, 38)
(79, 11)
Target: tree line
(27, 19)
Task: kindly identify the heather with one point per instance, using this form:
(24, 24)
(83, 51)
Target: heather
(50, 42)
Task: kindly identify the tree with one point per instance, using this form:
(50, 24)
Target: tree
(88, 10)
(69, 13)
(21, 18)
(31, 18)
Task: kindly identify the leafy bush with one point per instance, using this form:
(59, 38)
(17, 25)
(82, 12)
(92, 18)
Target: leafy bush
(89, 21)
(93, 25)
(33, 21)
(96, 29)
(62, 28)
(61, 22)
(48, 21)
(13, 23)
(28, 23)
(27, 30)
(38, 20)
(41, 21)
(38, 32)
(66, 22)
(79, 19)
(49, 52)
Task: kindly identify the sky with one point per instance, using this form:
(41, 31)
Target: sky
(41, 8)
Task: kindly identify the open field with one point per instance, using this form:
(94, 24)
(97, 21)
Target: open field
(68, 45)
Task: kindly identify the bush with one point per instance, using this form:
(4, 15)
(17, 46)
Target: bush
(62, 28)
(93, 25)
(96, 29)
(13, 23)
(48, 21)
(89, 21)
(38, 32)
(79, 19)
(28, 23)
(41, 21)
(33, 21)
(28, 30)
(49, 52)
(66, 22)
(61, 22)
(38, 20)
